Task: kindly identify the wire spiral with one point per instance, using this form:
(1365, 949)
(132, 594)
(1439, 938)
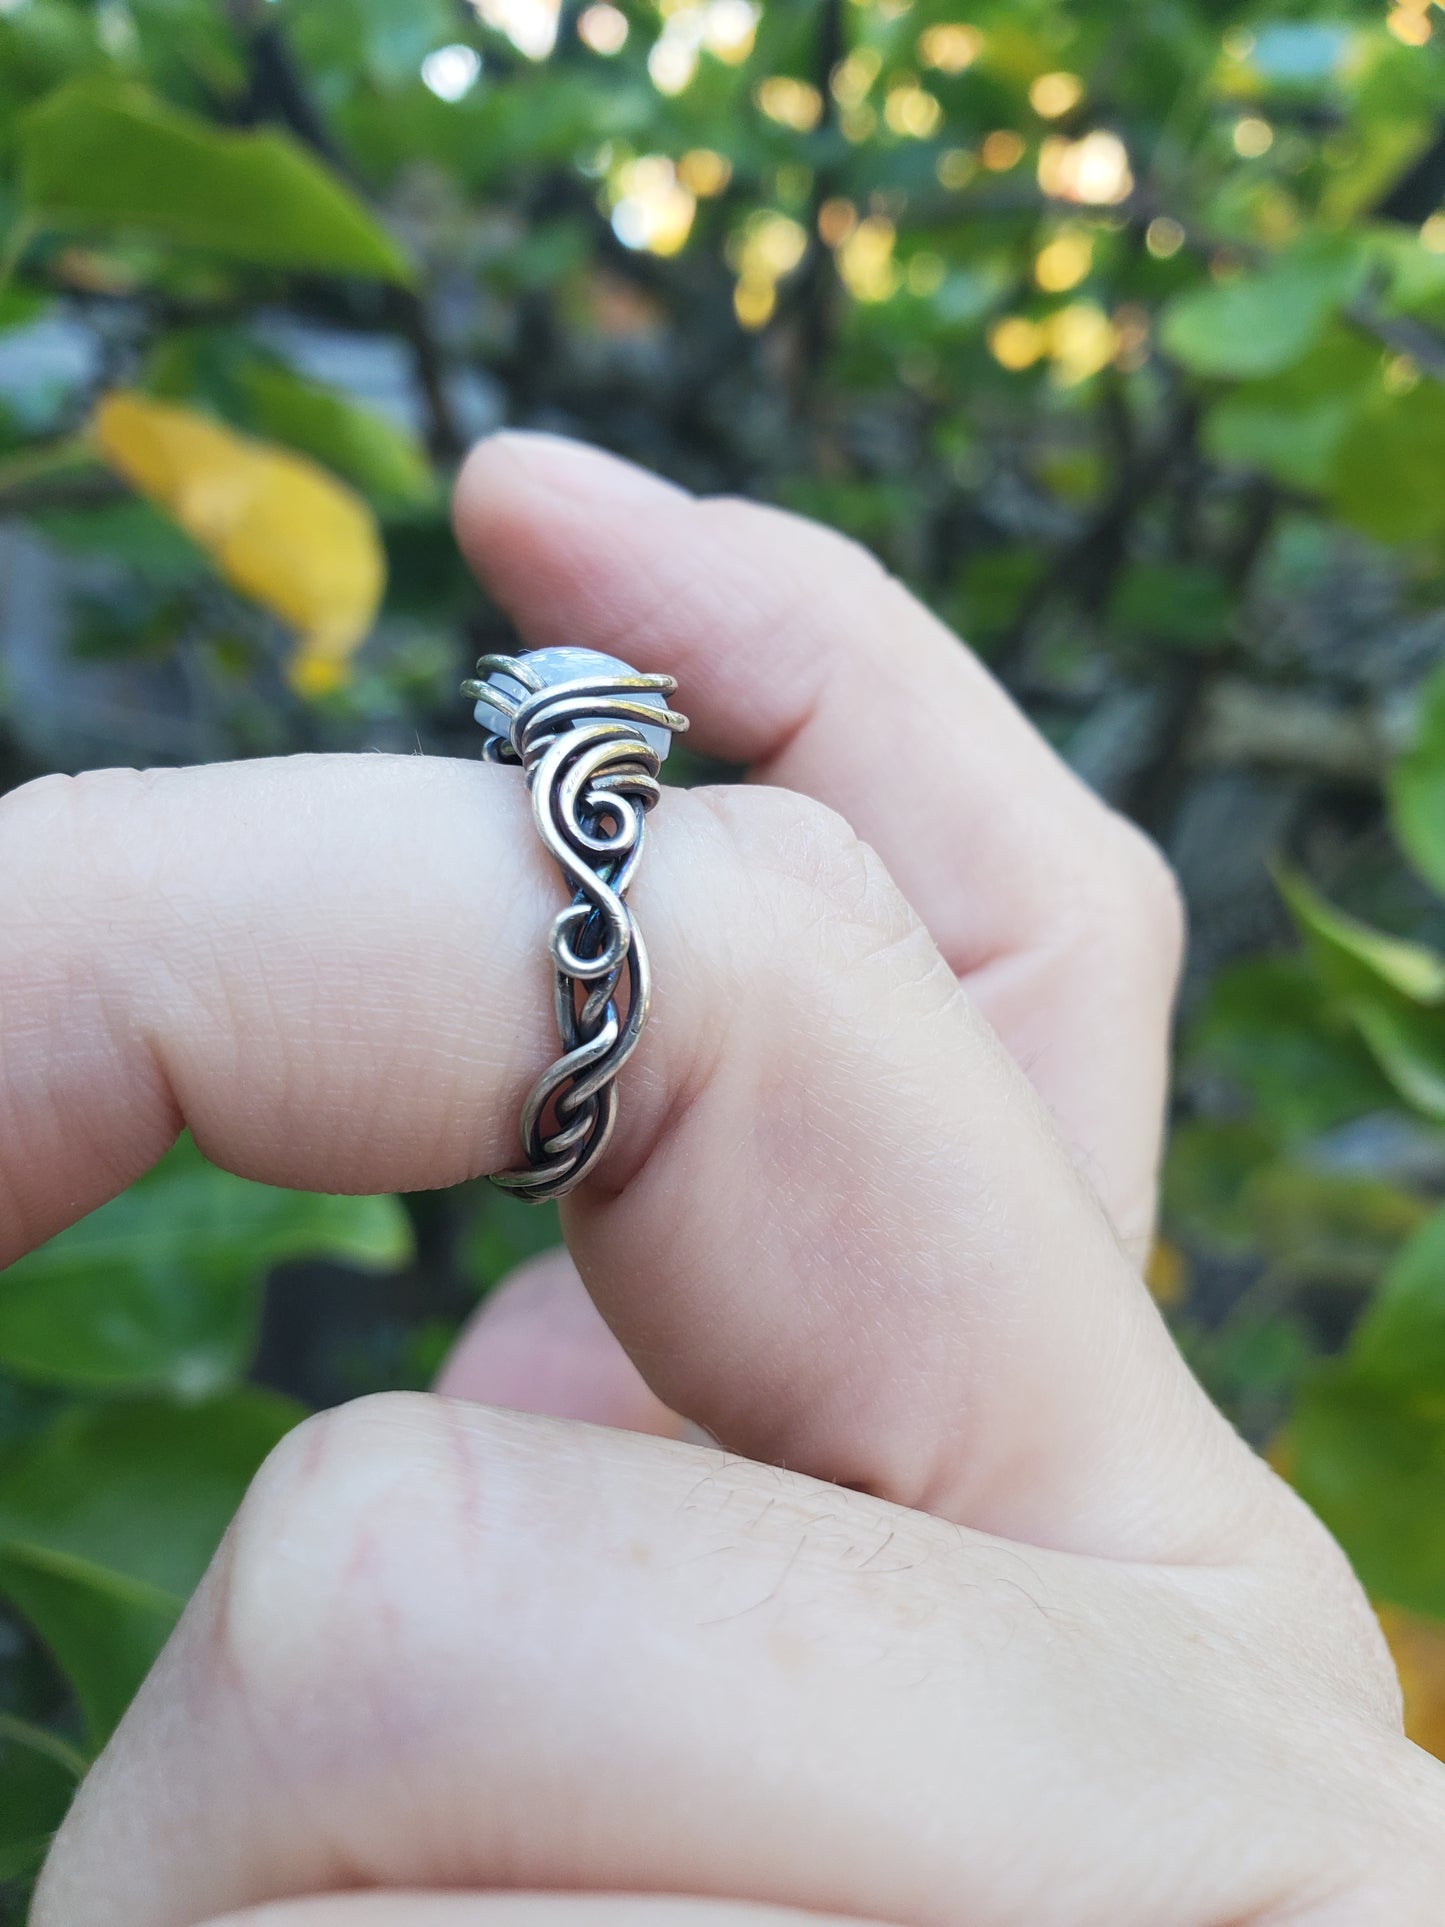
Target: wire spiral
(593, 779)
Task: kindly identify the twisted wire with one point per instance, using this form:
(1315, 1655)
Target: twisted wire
(593, 779)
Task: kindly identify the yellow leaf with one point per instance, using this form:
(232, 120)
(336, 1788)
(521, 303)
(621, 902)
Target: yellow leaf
(1279, 1454)
(1167, 1274)
(278, 528)
(1419, 1648)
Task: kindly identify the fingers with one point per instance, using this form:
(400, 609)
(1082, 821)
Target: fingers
(447, 1648)
(857, 1249)
(796, 654)
(326, 967)
(521, 1910)
(834, 1229)
(539, 1344)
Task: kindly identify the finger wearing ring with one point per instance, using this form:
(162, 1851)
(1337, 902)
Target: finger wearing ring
(591, 735)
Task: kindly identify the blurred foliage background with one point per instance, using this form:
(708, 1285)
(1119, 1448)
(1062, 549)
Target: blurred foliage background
(1118, 331)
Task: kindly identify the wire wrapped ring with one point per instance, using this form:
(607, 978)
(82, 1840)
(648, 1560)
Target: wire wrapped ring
(590, 734)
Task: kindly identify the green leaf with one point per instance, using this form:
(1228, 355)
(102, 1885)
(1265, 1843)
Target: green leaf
(1269, 1027)
(26, 1736)
(1330, 1223)
(1290, 425)
(100, 155)
(1260, 1357)
(104, 1628)
(1367, 1442)
(1261, 324)
(1207, 1178)
(1386, 144)
(1228, 1187)
(383, 460)
(1401, 1337)
(504, 1233)
(1354, 958)
(1186, 604)
(147, 542)
(1414, 275)
(144, 1488)
(19, 307)
(1391, 990)
(1416, 786)
(160, 1288)
(1370, 1459)
(1409, 1046)
(38, 1776)
(1388, 471)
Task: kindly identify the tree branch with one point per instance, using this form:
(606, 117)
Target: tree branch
(278, 90)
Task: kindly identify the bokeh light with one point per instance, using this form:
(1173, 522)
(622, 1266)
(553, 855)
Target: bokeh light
(854, 76)
(791, 103)
(1001, 150)
(951, 47)
(766, 249)
(1016, 342)
(955, 168)
(729, 29)
(1093, 171)
(913, 112)
(704, 172)
(837, 219)
(726, 29)
(866, 260)
(1410, 24)
(1064, 261)
(1082, 340)
(603, 28)
(530, 25)
(1252, 136)
(1053, 95)
(451, 72)
(652, 210)
(1133, 327)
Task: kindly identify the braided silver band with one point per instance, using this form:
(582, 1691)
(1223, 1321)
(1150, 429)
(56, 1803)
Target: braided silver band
(583, 742)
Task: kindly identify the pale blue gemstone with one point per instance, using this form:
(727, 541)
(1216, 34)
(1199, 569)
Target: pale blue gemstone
(568, 665)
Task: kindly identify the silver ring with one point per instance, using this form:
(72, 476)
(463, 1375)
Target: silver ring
(591, 735)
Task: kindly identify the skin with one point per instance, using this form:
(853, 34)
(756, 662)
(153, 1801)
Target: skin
(853, 1541)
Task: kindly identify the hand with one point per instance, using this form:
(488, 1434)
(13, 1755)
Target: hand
(982, 1614)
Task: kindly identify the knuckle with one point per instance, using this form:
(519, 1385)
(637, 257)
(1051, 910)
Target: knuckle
(1131, 896)
(372, 1544)
(329, 1497)
(1290, 1542)
(817, 851)
(1154, 891)
(819, 895)
(1350, 1634)
(64, 805)
(77, 826)
(794, 843)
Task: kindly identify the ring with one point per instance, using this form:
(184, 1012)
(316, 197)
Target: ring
(591, 735)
